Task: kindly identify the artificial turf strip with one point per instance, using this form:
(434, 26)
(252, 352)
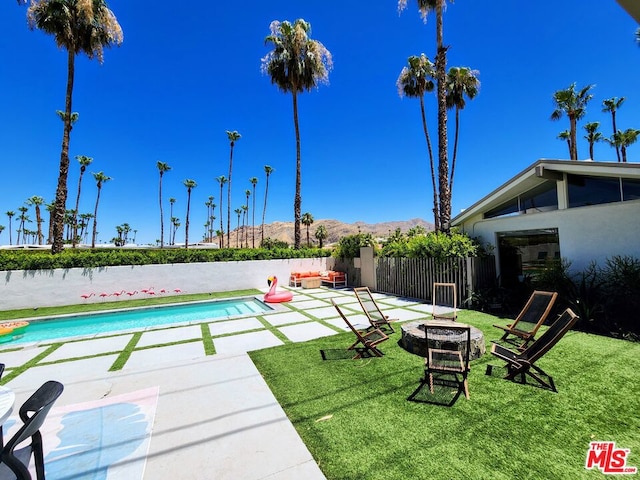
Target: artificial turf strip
(140, 302)
(354, 417)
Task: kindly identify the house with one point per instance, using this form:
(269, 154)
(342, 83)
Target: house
(581, 211)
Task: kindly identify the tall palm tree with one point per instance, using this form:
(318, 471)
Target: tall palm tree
(162, 167)
(190, 184)
(101, 179)
(622, 140)
(78, 26)
(222, 180)
(37, 201)
(612, 105)
(84, 163)
(24, 218)
(307, 220)
(254, 183)
(565, 135)
(321, 234)
(592, 136)
(268, 171)
(175, 223)
(233, 138)
(247, 194)
(414, 81)
(461, 82)
(573, 104)
(438, 6)
(296, 64)
(10, 214)
(237, 211)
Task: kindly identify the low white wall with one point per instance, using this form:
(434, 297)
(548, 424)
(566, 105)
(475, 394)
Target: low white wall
(31, 289)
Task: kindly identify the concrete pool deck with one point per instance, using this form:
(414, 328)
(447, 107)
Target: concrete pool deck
(215, 416)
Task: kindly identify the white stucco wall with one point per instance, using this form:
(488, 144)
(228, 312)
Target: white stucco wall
(587, 234)
(31, 289)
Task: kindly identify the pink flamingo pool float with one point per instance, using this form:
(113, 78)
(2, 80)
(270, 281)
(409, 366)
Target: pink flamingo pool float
(276, 297)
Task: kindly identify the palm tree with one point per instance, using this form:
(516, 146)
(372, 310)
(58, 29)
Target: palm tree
(10, 214)
(190, 184)
(296, 64)
(566, 136)
(175, 223)
(100, 178)
(37, 201)
(237, 211)
(24, 218)
(321, 234)
(623, 139)
(2, 227)
(307, 220)
(254, 182)
(78, 27)
(612, 105)
(84, 163)
(573, 104)
(233, 138)
(414, 81)
(162, 167)
(268, 171)
(461, 82)
(592, 136)
(247, 194)
(438, 6)
(84, 223)
(222, 180)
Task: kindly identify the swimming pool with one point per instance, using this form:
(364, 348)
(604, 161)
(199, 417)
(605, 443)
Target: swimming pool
(41, 329)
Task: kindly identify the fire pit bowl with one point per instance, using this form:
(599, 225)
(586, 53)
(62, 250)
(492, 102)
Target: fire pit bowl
(413, 339)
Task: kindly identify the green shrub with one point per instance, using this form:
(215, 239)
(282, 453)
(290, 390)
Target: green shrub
(349, 245)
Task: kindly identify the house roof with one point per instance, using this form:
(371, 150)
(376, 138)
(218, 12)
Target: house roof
(540, 172)
(632, 7)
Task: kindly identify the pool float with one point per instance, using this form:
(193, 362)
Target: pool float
(11, 330)
(276, 297)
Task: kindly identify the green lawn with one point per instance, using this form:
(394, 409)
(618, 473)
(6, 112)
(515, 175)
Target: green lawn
(354, 417)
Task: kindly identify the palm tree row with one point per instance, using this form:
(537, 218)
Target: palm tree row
(573, 104)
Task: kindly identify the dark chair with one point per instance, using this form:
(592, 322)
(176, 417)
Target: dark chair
(446, 363)
(14, 463)
(530, 319)
(377, 319)
(520, 364)
(366, 343)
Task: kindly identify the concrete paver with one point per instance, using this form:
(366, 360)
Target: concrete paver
(215, 417)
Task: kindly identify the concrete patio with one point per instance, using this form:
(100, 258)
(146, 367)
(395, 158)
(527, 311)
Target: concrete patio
(215, 415)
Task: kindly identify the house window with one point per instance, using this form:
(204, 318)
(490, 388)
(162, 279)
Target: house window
(539, 199)
(630, 189)
(585, 190)
(526, 253)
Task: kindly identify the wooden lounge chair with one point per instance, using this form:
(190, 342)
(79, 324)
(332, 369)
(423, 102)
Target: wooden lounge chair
(520, 364)
(447, 360)
(372, 310)
(527, 323)
(366, 343)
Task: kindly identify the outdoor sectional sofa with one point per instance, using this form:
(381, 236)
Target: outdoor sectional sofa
(335, 279)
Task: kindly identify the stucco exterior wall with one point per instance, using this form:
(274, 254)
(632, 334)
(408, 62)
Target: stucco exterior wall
(586, 234)
(31, 289)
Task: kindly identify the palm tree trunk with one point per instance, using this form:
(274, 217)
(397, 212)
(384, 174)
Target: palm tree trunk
(186, 223)
(39, 224)
(297, 201)
(95, 220)
(221, 217)
(455, 151)
(574, 147)
(253, 219)
(613, 119)
(75, 212)
(264, 210)
(436, 219)
(161, 213)
(229, 195)
(591, 150)
(443, 163)
(623, 153)
(61, 191)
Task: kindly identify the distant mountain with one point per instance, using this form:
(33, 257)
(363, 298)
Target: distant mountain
(335, 230)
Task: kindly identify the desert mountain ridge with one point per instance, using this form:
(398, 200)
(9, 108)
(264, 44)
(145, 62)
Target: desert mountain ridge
(335, 230)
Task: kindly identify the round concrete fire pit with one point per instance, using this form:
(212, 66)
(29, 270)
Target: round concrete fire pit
(413, 337)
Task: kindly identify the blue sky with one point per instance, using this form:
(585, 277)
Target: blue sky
(183, 76)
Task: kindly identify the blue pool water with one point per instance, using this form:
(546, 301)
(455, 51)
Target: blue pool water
(91, 324)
